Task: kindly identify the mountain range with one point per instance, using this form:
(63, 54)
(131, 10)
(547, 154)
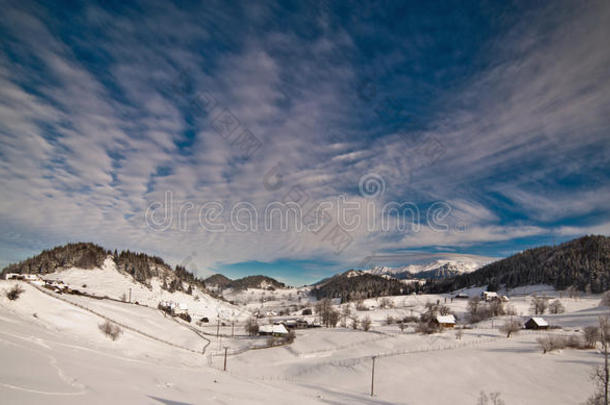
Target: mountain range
(582, 263)
(435, 269)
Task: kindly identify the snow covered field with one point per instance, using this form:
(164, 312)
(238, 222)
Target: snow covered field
(53, 352)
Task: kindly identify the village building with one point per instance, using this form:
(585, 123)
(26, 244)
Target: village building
(445, 321)
(536, 323)
(489, 296)
(19, 276)
(272, 330)
(462, 296)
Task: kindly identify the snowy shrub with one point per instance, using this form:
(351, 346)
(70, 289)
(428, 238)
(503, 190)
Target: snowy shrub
(251, 326)
(511, 326)
(385, 302)
(111, 330)
(355, 322)
(428, 327)
(556, 307)
(459, 333)
(184, 316)
(306, 311)
(551, 343)
(14, 293)
(591, 336)
(360, 306)
(605, 299)
(410, 319)
(576, 342)
(290, 337)
(480, 311)
(492, 399)
(539, 305)
(366, 323)
(389, 320)
(510, 310)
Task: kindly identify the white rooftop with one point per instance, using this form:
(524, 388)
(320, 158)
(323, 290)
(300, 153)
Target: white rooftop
(540, 321)
(445, 319)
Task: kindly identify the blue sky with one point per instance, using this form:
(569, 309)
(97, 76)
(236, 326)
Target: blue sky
(489, 119)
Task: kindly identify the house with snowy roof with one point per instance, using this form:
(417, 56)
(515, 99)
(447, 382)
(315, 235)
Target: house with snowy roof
(536, 323)
(489, 296)
(445, 321)
(272, 330)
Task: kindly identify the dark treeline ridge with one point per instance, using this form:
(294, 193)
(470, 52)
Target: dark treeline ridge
(353, 285)
(582, 263)
(85, 255)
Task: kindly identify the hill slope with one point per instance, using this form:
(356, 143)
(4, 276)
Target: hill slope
(140, 266)
(217, 280)
(258, 281)
(357, 284)
(583, 263)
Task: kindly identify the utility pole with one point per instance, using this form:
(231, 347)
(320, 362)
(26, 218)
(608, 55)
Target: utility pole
(225, 366)
(233, 328)
(130, 294)
(373, 377)
(603, 323)
(218, 329)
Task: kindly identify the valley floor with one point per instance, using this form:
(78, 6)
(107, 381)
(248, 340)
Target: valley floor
(53, 352)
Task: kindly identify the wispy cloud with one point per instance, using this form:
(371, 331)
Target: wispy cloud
(96, 124)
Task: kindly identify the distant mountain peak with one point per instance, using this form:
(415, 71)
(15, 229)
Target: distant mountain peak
(433, 269)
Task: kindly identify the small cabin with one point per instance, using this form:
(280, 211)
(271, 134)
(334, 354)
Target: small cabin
(462, 296)
(19, 276)
(489, 296)
(536, 323)
(445, 321)
(272, 330)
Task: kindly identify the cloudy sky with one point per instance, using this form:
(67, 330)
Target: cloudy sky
(176, 129)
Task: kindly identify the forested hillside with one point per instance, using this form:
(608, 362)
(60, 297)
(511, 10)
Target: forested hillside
(353, 285)
(140, 266)
(583, 263)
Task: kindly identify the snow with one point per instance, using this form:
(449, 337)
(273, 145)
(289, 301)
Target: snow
(540, 321)
(59, 355)
(108, 281)
(445, 319)
(463, 264)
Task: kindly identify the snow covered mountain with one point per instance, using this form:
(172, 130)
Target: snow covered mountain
(434, 269)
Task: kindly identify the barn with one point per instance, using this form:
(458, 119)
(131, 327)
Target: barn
(536, 323)
(446, 321)
(273, 330)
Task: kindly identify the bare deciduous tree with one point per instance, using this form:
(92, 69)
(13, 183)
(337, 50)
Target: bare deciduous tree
(459, 333)
(251, 326)
(605, 299)
(556, 307)
(591, 335)
(492, 399)
(511, 326)
(539, 305)
(601, 375)
(14, 292)
(366, 323)
(111, 330)
(355, 322)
